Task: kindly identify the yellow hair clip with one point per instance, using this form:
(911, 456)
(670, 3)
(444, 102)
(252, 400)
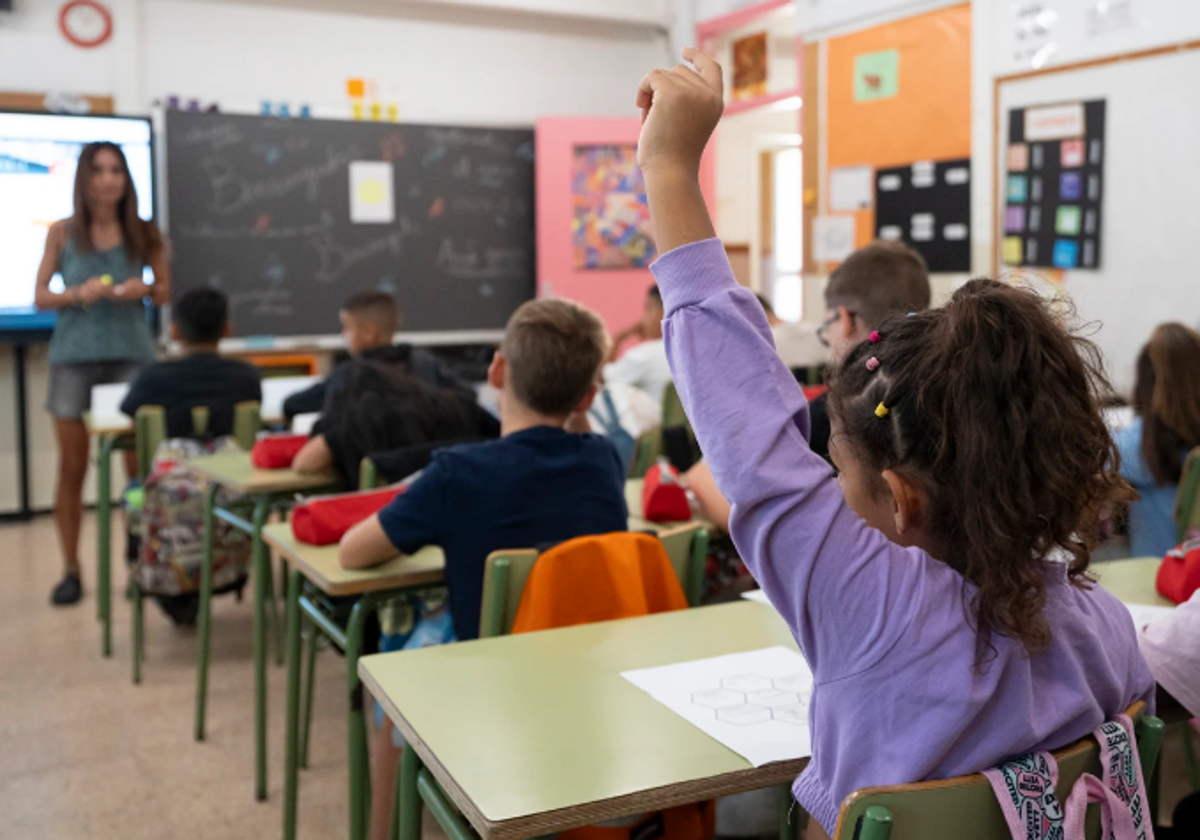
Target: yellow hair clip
(881, 410)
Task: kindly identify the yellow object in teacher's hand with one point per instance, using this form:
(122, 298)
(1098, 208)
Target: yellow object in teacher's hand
(106, 280)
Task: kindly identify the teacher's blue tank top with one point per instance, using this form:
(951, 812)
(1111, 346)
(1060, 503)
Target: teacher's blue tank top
(107, 330)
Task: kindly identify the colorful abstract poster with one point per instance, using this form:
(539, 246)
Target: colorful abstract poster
(611, 227)
(750, 66)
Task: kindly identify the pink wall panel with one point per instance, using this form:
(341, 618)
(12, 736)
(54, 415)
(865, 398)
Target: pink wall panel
(616, 295)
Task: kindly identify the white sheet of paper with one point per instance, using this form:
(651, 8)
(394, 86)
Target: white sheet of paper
(851, 188)
(833, 238)
(756, 595)
(276, 389)
(371, 198)
(106, 401)
(755, 703)
(1144, 614)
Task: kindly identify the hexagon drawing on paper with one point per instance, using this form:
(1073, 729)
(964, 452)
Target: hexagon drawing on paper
(795, 713)
(795, 683)
(772, 697)
(746, 682)
(718, 698)
(744, 715)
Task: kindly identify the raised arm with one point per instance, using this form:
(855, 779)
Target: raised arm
(831, 576)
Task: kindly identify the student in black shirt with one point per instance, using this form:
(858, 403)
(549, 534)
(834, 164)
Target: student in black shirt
(369, 321)
(538, 484)
(199, 377)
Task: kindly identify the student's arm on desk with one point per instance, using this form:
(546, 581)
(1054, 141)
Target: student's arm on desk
(411, 521)
(365, 545)
(315, 457)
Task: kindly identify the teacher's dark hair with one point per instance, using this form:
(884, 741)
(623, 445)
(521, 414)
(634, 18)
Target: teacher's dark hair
(142, 238)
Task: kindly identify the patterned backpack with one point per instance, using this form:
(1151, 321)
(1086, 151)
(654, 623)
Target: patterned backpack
(172, 525)
(1025, 790)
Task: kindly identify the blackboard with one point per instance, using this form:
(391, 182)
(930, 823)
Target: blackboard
(260, 207)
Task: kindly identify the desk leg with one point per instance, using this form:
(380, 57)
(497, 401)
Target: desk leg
(291, 768)
(310, 680)
(409, 806)
(104, 535)
(262, 591)
(360, 798)
(205, 617)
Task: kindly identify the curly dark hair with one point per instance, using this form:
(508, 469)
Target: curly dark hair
(993, 409)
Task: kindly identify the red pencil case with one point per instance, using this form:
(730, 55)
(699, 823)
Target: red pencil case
(663, 496)
(1179, 574)
(276, 452)
(324, 520)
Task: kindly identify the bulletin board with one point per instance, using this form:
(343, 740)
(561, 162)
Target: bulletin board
(897, 95)
(1146, 272)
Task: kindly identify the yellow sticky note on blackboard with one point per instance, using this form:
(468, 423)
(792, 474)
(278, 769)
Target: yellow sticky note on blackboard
(1012, 250)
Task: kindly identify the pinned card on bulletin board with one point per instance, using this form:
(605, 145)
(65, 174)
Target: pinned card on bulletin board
(833, 238)
(851, 188)
(876, 75)
(371, 197)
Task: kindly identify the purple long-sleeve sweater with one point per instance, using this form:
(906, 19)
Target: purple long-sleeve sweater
(883, 627)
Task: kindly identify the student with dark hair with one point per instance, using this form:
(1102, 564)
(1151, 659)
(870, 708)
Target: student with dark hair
(1166, 400)
(945, 562)
(539, 483)
(200, 376)
(369, 324)
(644, 366)
(380, 408)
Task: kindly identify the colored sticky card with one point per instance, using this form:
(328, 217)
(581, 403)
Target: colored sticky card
(1018, 188)
(876, 75)
(1068, 220)
(376, 112)
(1066, 254)
(356, 88)
(1014, 219)
(1018, 157)
(1072, 154)
(1012, 250)
(393, 112)
(357, 110)
(1070, 186)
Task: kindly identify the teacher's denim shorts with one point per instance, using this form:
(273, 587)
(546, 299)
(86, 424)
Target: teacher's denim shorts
(70, 392)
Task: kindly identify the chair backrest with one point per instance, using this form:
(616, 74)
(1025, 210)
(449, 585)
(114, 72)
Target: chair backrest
(1187, 497)
(966, 806)
(505, 574)
(673, 413)
(150, 429)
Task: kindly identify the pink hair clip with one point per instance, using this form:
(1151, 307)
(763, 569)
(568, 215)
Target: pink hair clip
(874, 336)
(872, 363)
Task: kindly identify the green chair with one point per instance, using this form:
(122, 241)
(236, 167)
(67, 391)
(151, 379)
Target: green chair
(150, 430)
(1187, 497)
(966, 806)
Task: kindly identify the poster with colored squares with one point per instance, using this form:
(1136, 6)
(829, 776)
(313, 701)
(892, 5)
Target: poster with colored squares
(1053, 186)
(611, 224)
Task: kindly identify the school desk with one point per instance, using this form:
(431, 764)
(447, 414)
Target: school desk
(260, 492)
(534, 734)
(1132, 581)
(316, 569)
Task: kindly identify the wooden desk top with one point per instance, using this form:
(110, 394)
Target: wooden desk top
(117, 424)
(1132, 581)
(320, 565)
(234, 471)
(538, 733)
(633, 501)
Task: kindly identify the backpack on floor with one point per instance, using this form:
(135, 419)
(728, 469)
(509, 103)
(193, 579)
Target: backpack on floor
(172, 525)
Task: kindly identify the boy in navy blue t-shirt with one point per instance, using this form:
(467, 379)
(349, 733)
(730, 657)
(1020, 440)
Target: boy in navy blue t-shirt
(538, 484)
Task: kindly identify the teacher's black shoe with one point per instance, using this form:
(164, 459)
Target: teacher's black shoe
(68, 591)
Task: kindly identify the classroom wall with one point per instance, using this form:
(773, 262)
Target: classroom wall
(449, 62)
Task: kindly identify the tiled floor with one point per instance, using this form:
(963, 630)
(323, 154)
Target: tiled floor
(86, 754)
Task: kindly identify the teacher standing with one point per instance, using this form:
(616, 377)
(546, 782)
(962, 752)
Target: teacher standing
(101, 334)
